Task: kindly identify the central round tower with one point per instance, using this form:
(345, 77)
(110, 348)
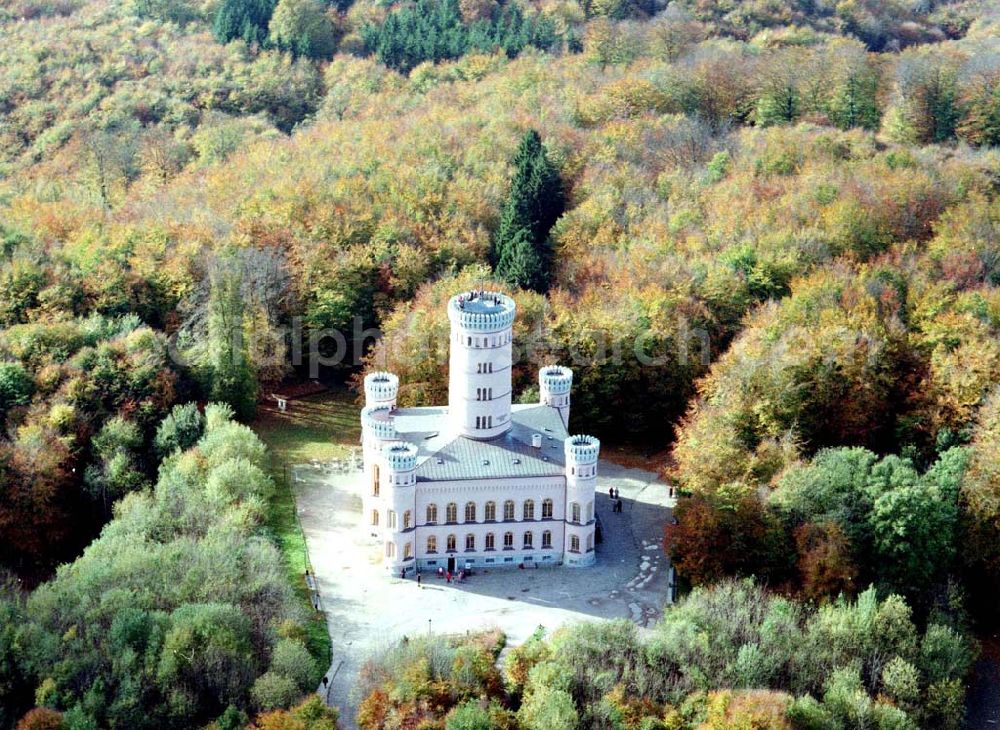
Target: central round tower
(479, 382)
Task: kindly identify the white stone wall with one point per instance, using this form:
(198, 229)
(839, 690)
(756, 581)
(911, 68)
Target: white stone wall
(480, 492)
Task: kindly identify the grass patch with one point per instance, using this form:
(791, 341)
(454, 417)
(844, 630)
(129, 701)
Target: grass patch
(323, 426)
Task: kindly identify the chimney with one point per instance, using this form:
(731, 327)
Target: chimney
(536, 440)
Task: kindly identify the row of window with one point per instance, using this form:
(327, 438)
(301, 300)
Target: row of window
(484, 393)
(399, 479)
(390, 550)
(494, 341)
(390, 519)
(527, 542)
(451, 513)
(484, 421)
(527, 511)
(484, 368)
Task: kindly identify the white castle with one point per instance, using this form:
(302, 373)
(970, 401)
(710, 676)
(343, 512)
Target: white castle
(481, 483)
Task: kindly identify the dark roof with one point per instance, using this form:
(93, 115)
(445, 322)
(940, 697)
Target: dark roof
(444, 456)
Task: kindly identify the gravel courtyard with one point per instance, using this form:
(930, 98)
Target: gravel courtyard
(368, 611)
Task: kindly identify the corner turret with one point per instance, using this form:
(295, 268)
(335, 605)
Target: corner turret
(378, 428)
(581, 453)
(399, 464)
(381, 389)
(554, 385)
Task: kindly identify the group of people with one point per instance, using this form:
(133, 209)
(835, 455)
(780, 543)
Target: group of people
(616, 502)
(442, 573)
(447, 575)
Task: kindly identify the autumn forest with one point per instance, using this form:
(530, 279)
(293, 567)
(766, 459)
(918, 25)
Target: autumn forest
(764, 233)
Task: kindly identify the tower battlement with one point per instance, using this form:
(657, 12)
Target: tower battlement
(400, 456)
(482, 311)
(555, 380)
(381, 389)
(377, 421)
(582, 449)
(554, 385)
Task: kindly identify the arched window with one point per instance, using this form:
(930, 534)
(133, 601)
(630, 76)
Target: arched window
(374, 518)
(575, 511)
(451, 513)
(375, 480)
(491, 511)
(590, 511)
(390, 550)
(470, 542)
(432, 514)
(508, 510)
(390, 520)
(547, 539)
(450, 544)
(508, 541)
(546, 509)
(590, 542)
(528, 540)
(470, 511)
(432, 544)
(574, 544)
(529, 509)
(407, 520)
(407, 551)
(491, 541)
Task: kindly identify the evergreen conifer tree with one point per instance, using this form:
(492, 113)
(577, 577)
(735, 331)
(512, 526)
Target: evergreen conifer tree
(246, 19)
(854, 102)
(521, 252)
